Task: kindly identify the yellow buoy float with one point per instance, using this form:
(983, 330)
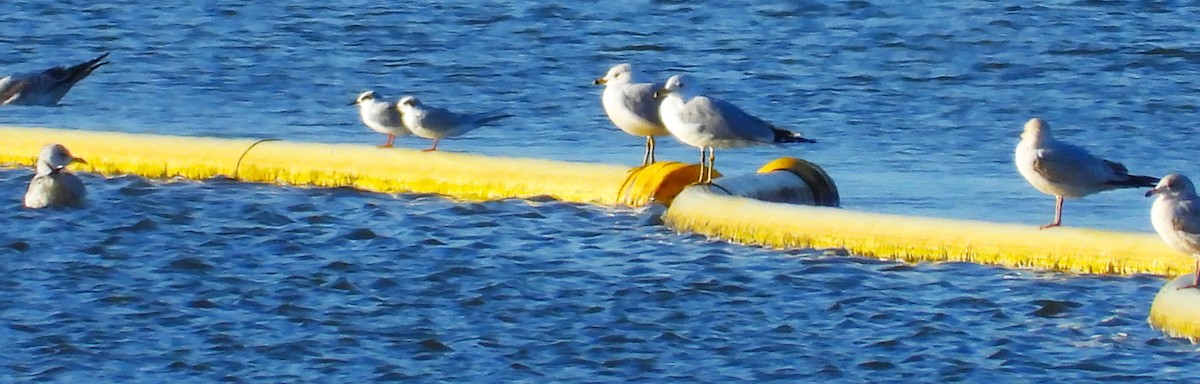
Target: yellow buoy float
(1176, 311)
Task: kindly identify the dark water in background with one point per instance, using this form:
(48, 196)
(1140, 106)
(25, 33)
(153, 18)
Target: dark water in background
(917, 108)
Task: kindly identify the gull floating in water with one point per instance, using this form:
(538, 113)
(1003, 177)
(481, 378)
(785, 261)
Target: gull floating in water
(437, 123)
(707, 122)
(53, 185)
(1176, 217)
(1066, 171)
(46, 87)
(380, 116)
(632, 106)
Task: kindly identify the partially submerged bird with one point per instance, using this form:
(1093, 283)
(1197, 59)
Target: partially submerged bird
(1176, 217)
(380, 116)
(437, 123)
(1063, 170)
(632, 106)
(53, 185)
(46, 87)
(709, 123)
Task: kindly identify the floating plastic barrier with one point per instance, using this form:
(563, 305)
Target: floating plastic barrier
(721, 210)
(393, 170)
(787, 204)
(700, 209)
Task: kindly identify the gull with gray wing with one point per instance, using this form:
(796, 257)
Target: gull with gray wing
(53, 185)
(1063, 170)
(381, 116)
(1175, 215)
(437, 123)
(709, 123)
(46, 87)
(632, 106)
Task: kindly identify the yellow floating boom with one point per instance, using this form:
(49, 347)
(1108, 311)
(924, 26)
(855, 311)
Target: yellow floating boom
(719, 211)
(696, 209)
(700, 210)
(461, 175)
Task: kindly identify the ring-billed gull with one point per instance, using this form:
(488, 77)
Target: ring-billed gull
(53, 185)
(437, 123)
(632, 106)
(46, 87)
(1176, 217)
(380, 116)
(707, 122)
(1067, 171)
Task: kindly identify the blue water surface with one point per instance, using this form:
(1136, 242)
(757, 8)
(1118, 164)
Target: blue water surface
(916, 107)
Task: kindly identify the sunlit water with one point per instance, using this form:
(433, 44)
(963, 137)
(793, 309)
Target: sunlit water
(916, 107)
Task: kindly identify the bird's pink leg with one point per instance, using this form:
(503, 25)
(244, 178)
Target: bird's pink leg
(1058, 202)
(433, 148)
(390, 139)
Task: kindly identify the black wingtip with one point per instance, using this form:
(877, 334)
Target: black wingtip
(1135, 181)
(786, 136)
(1144, 181)
(494, 118)
(98, 62)
(82, 70)
(94, 63)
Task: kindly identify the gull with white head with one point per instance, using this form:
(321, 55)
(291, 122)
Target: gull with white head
(1176, 217)
(47, 87)
(53, 185)
(632, 106)
(380, 116)
(437, 123)
(709, 123)
(1063, 170)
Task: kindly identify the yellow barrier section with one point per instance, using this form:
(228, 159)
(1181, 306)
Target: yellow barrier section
(390, 170)
(908, 238)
